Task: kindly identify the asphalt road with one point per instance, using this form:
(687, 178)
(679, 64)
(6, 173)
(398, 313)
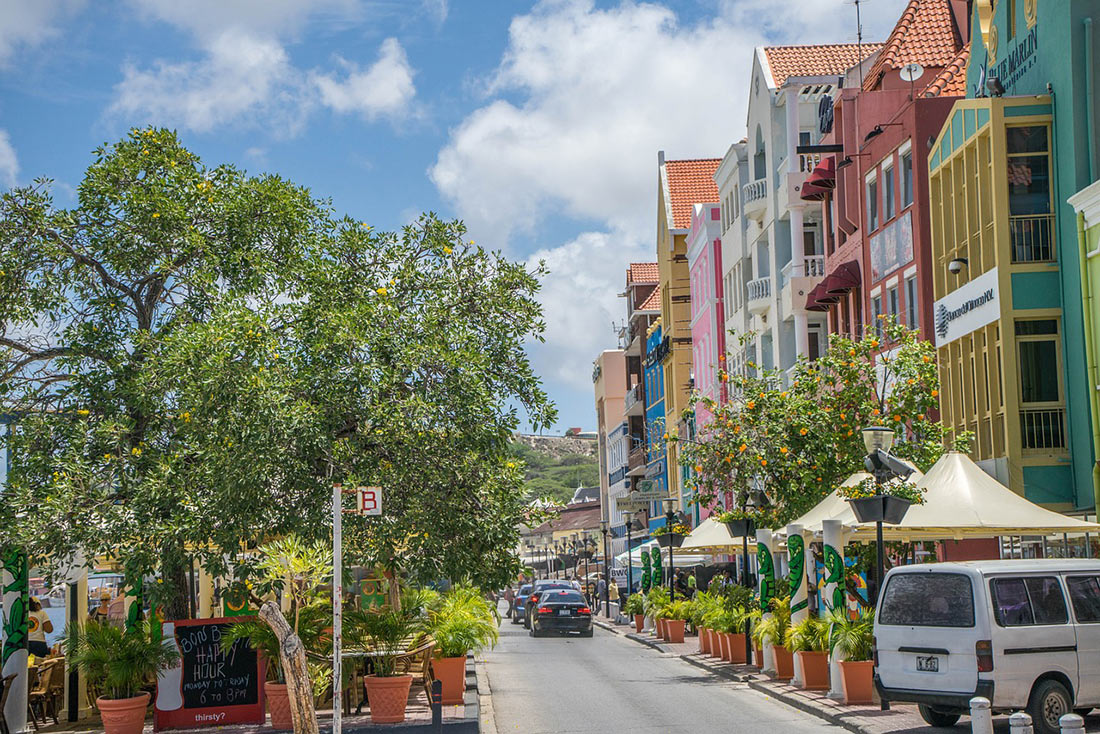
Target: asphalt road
(556, 685)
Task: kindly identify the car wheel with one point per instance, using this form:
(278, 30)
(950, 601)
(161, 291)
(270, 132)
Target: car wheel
(1049, 702)
(535, 631)
(526, 622)
(586, 633)
(937, 718)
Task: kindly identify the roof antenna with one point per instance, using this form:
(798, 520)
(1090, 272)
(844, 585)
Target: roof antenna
(859, 45)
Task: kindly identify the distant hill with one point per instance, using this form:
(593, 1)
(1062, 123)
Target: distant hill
(556, 464)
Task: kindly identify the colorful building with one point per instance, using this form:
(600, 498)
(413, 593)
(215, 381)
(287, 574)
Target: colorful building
(656, 349)
(1086, 203)
(1007, 277)
(609, 385)
(680, 185)
(874, 192)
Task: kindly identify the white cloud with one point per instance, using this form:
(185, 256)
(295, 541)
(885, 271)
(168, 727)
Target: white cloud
(9, 163)
(29, 23)
(815, 21)
(239, 76)
(384, 89)
(437, 10)
(208, 19)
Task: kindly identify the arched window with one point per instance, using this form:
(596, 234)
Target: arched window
(759, 164)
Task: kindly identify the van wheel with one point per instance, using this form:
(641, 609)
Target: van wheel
(1049, 702)
(937, 718)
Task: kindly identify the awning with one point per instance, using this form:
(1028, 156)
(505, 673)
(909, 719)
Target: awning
(821, 180)
(843, 279)
(818, 299)
(713, 537)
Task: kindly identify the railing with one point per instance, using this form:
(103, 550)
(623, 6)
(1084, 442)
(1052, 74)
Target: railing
(635, 395)
(1043, 428)
(754, 191)
(759, 288)
(637, 460)
(807, 162)
(813, 267)
(1032, 238)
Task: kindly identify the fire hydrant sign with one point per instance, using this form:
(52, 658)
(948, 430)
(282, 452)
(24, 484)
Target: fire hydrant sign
(210, 685)
(369, 500)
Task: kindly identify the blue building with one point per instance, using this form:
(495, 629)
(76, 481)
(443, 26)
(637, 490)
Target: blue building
(656, 455)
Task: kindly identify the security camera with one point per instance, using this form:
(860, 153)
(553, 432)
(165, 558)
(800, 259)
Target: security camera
(956, 265)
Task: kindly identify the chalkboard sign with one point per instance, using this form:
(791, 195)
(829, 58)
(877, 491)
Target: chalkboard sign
(210, 685)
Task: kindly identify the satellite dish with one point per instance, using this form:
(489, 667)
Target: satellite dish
(911, 72)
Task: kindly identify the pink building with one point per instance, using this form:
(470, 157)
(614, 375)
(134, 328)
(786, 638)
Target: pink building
(708, 339)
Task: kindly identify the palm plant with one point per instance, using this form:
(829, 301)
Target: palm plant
(809, 635)
(118, 662)
(774, 629)
(657, 598)
(678, 609)
(385, 630)
(635, 604)
(462, 621)
(852, 638)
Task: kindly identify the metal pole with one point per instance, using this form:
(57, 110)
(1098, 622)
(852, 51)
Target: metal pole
(606, 578)
(337, 606)
(629, 561)
(885, 705)
(745, 583)
(671, 560)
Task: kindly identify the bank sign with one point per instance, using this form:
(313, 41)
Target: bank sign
(967, 308)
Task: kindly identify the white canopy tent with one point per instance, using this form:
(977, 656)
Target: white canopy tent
(681, 559)
(712, 536)
(835, 507)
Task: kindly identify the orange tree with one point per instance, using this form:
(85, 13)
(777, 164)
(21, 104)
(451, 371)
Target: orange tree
(798, 442)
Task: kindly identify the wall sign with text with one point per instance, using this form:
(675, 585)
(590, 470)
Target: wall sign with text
(967, 308)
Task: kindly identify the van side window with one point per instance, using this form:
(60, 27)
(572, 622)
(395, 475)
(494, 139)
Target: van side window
(1027, 601)
(1084, 592)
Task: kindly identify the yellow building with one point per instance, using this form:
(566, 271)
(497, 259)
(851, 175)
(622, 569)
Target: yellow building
(680, 185)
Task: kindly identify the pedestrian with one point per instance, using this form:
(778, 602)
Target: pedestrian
(510, 597)
(612, 595)
(692, 584)
(601, 587)
(100, 613)
(38, 624)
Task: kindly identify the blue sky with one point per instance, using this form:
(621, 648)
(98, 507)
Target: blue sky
(538, 123)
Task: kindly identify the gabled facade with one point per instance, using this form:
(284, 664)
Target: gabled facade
(656, 455)
(609, 385)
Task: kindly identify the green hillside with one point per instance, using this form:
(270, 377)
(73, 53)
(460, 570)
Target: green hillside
(556, 466)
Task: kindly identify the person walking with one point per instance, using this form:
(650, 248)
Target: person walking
(612, 596)
(510, 597)
(692, 585)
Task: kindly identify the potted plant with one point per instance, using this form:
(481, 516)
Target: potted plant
(809, 640)
(722, 621)
(701, 605)
(677, 614)
(119, 663)
(462, 622)
(773, 631)
(887, 502)
(385, 631)
(656, 599)
(671, 535)
(740, 523)
(852, 639)
(635, 606)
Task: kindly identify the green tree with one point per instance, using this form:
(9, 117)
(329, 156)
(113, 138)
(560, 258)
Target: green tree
(797, 444)
(196, 354)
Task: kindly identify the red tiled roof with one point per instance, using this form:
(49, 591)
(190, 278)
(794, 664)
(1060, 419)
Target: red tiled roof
(951, 82)
(817, 60)
(643, 273)
(690, 182)
(581, 516)
(653, 303)
(925, 34)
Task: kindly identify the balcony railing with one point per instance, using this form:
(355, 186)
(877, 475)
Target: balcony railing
(807, 162)
(1032, 238)
(759, 289)
(813, 267)
(637, 460)
(754, 191)
(635, 395)
(1043, 429)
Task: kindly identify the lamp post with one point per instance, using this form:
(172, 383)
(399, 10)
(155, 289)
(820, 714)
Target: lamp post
(629, 559)
(587, 544)
(606, 571)
(530, 552)
(557, 555)
(669, 516)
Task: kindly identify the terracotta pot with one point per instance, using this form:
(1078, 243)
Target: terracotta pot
(784, 663)
(723, 651)
(675, 629)
(815, 670)
(737, 648)
(452, 673)
(704, 640)
(387, 698)
(123, 715)
(757, 656)
(855, 680)
(639, 622)
(660, 627)
(278, 705)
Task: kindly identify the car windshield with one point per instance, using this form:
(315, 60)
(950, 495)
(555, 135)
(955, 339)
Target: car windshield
(928, 600)
(563, 597)
(525, 590)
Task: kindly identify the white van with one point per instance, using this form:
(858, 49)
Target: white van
(1024, 634)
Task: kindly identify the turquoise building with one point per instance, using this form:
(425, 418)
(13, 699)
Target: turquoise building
(656, 455)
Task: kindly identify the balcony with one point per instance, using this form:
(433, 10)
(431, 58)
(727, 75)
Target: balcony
(1043, 429)
(634, 403)
(759, 295)
(754, 198)
(1032, 238)
(796, 286)
(635, 465)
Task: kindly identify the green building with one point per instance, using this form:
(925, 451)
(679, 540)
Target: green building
(1007, 277)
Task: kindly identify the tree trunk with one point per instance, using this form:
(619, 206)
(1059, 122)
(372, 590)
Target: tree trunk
(292, 654)
(173, 571)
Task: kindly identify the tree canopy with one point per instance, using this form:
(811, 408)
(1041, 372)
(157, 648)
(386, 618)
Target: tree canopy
(193, 355)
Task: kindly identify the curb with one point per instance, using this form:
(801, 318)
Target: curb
(487, 717)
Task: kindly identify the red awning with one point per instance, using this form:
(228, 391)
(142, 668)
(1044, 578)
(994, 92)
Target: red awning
(843, 279)
(821, 180)
(818, 299)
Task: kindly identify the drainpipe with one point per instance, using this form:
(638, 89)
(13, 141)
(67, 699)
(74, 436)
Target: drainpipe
(1090, 108)
(798, 253)
(1090, 356)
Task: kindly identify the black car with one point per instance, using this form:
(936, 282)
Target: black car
(562, 610)
(531, 605)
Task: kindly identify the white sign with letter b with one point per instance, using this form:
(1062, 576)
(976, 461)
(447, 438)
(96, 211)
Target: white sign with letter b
(369, 500)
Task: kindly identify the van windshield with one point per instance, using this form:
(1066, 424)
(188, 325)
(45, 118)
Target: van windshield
(928, 600)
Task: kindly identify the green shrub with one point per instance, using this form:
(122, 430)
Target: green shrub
(852, 638)
(118, 662)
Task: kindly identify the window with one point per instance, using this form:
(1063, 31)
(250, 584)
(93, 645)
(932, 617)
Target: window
(888, 186)
(876, 310)
(872, 205)
(1037, 342)
(906, 178)
(928, 600)
(1084, 593)
(1027, 601)
(1029, 203)
(912, 303)
(892, 301)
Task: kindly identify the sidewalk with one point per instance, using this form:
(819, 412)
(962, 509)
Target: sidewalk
(860, 719)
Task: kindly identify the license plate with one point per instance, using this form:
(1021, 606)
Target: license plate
(563, 612)
(929, 664)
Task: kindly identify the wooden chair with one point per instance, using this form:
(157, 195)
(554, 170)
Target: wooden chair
(417, 661)
(38, 696)
(55, 690)
(5, 688)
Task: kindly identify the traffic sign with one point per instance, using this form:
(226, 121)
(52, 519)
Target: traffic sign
(369, 500)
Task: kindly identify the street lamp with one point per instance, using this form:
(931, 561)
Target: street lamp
(606, 571)
(587, 545)
(629, 558)
(530, 551)
(669, 516)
